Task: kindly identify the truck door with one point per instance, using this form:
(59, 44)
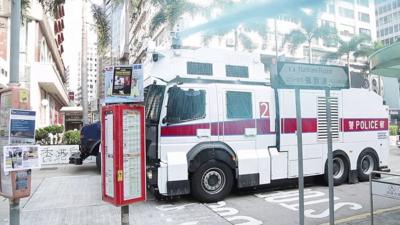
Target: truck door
(185, 122)
(239, 131)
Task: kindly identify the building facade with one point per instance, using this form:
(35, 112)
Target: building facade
(42, 69)
(349, 17)
(388, 31)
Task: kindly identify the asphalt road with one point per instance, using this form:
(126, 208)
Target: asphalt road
(72, 195)
(266, 206)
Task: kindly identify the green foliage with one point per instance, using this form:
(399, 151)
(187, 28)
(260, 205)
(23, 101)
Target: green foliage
(393, 130)
(103, 27)
(171, 10)
(54, 129)
(357, 46)
(72, 137)
(41, 134)
(246, 42)
(51, 6)
(309, 30)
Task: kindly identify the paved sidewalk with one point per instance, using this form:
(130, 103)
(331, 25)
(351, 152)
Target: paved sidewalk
(71, 195)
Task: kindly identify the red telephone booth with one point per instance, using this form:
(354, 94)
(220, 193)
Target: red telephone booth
(123, 154)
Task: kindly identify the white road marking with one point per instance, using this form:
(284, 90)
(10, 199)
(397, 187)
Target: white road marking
(229, 214)
(284, 198)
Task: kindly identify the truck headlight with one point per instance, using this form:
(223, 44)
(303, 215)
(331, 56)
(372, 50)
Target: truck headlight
(149, 174)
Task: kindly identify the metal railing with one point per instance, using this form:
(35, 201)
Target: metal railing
(384, 187)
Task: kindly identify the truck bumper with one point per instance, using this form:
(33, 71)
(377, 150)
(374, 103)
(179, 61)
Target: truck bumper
(75, 159)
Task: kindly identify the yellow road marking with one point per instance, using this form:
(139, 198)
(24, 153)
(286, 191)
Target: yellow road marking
(364, 215)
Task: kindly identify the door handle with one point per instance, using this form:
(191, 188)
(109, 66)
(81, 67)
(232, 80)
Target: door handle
(250, 132)
(203, 133)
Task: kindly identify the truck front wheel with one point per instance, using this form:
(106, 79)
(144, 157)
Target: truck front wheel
(212, 181)
(98, 161)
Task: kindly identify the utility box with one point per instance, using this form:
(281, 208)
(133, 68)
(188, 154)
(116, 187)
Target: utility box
(13, 184)
(123, 154)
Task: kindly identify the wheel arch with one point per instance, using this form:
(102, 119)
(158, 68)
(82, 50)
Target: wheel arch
(95, 146)
(369, 149)
(206, 151)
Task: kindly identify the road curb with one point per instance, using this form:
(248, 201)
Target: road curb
(364, 215)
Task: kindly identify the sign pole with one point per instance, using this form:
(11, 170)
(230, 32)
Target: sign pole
(14, 211)
(371, 200)
(125, 215)
(300, 156)
(330, 157)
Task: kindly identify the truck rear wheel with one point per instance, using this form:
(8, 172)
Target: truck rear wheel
(340, 170)
(366, 163)
(212, 181)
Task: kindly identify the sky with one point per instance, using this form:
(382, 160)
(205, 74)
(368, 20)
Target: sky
(73, 37)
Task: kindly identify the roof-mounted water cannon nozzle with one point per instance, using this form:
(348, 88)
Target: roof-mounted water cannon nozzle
(176, 40)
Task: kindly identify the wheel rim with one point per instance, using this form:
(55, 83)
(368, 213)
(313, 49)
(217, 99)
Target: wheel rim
(367, 164)
(338, 168)
(213, 180)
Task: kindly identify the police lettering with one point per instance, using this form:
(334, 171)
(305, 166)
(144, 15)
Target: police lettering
(367, 125)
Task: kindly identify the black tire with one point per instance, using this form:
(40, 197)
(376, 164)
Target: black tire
(340, 170)
(211, 182)
(366, 163)
(98, 161)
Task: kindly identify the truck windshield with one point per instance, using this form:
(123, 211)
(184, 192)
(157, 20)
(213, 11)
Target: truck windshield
(153, 103)
(185, 105)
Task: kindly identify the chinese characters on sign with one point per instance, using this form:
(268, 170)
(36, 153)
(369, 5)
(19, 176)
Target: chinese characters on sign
(311, 76)
(59, 154)
(350, 125)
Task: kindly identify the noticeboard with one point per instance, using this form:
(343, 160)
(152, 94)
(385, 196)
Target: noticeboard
(123, 84)
(22, 157)
(310, 76)
(22, 126)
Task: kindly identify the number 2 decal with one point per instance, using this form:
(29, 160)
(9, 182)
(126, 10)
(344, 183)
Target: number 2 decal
(264, 109)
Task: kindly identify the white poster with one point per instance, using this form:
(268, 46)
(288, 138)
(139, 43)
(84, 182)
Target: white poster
(132, 154)
(109, 153)
(21, 157)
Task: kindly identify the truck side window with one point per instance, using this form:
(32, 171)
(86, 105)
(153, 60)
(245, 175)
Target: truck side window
(185, 105)
(239, 105)
(154, 95)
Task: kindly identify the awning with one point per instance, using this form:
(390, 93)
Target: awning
(386, 61)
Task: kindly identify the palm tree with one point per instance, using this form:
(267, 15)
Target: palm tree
(51, 6)
(356, 47)
(241, 32)
(171, 10)
(102, 28)
(308, 31)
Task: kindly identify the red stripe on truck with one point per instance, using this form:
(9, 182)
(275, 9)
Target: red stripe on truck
(289, 125)
(236, 127)
(183, 130)
(263, 126)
